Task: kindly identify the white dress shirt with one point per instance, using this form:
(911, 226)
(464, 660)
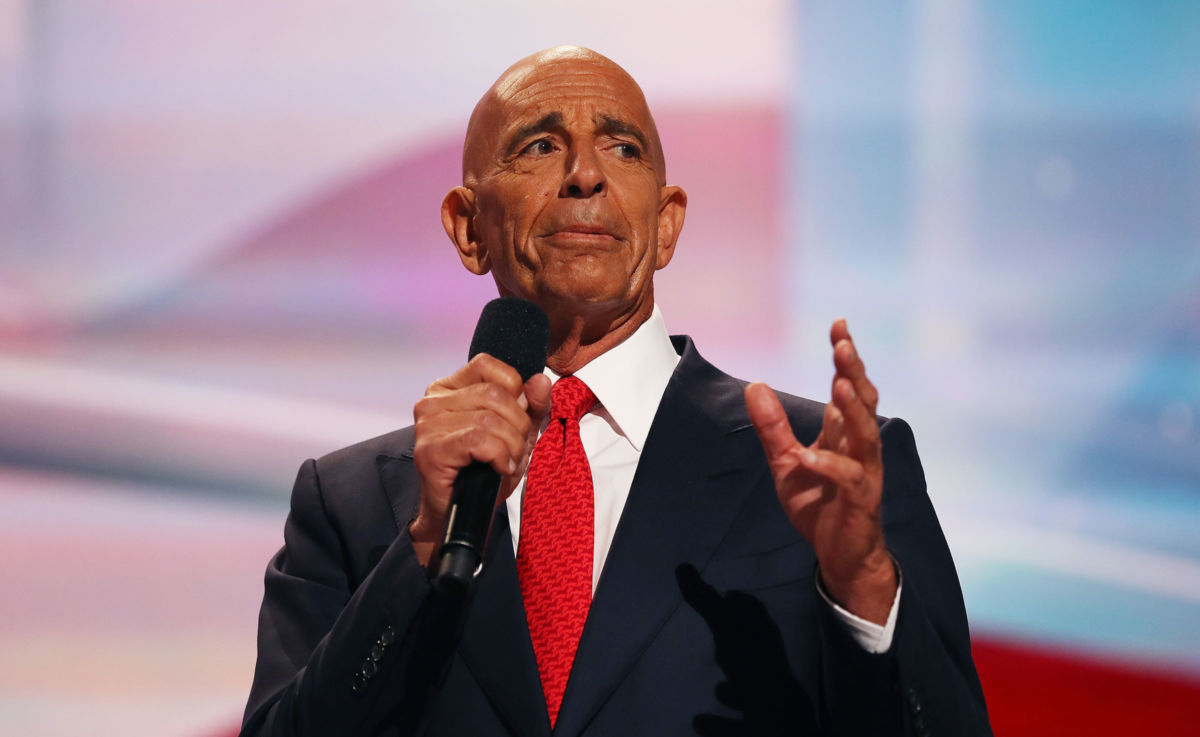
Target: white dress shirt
(629, 381)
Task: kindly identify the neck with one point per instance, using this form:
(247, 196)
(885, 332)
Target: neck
(575, 339)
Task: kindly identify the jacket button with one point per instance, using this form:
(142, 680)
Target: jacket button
(914, 702)
(388, 636)
(377, 652)
(369, 669)
(359, 683)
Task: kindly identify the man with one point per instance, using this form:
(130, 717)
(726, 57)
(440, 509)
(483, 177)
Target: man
(660, 569)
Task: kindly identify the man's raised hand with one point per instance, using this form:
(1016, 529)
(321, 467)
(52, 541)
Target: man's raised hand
(831, 490)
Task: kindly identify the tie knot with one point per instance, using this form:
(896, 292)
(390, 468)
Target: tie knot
(570, 399)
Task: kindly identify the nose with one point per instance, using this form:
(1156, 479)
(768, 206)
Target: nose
(584, 176)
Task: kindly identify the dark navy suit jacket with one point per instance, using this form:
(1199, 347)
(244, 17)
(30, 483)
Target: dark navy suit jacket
(706, 619)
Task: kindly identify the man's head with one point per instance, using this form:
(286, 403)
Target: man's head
(564, 197)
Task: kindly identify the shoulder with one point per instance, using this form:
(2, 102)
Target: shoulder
(396, 444)
(365, 474)
(722, 395)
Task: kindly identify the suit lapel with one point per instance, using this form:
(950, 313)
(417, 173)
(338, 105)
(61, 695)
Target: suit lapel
(495, 643)
(693, 476)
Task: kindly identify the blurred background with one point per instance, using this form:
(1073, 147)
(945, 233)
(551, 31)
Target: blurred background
(221, 254)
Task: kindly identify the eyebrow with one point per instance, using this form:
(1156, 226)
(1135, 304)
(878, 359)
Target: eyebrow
(547, 122)
(611, 126)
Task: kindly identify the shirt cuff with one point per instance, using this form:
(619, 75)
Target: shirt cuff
(873, 638)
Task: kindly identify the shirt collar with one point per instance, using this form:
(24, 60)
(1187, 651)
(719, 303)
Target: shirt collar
(629, 379)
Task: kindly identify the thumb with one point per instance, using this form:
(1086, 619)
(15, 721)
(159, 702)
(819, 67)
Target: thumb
(770, 421)
(537, 392)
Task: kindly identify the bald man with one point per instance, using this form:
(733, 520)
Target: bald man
(749, 563)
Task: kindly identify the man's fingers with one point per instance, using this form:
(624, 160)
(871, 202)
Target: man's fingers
(855, 396)
(440, 459)
(483, 369)
(770, 421)
(849, 364)
(537, 389)
(494, 398)
(473, 444)
(477, 396)
(847, 474)
(861, 429)
(492, 417)
(482, 412)
(454, 449)
(832, 428)
(513, 438)
(450, 429)
(839, 331)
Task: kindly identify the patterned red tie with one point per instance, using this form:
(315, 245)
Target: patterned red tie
(554, 552)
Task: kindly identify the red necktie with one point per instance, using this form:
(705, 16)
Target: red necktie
(554, 552)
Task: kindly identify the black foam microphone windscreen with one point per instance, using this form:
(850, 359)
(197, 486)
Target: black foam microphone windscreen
(517, 332)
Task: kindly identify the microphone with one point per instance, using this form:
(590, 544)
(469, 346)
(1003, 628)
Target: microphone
(517, 332)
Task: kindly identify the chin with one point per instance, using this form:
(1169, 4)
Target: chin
(565, 300)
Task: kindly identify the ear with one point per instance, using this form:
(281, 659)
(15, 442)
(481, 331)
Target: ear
(458, 218)
(671, 208)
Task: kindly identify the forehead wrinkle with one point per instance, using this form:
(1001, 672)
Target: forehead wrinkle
(557, 78)
(567, 91)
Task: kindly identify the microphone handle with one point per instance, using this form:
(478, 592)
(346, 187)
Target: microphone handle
(468, 520)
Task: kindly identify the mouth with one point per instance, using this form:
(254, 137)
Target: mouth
(585, 230)
(582, 231)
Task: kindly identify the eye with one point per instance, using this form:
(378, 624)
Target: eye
(627, 151)
(540, 147)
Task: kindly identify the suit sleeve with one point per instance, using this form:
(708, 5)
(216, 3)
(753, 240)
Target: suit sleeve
(926, 684)
(335, 658)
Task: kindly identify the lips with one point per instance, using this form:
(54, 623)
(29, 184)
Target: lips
(598, 237)
(582, 230)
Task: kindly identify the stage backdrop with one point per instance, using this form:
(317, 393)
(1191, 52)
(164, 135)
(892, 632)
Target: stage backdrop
(222, 254)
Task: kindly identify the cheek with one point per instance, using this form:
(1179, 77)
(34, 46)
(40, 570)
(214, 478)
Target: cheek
(647, 217)
(526, 208)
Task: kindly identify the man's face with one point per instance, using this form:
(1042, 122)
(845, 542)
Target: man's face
(568, 181)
